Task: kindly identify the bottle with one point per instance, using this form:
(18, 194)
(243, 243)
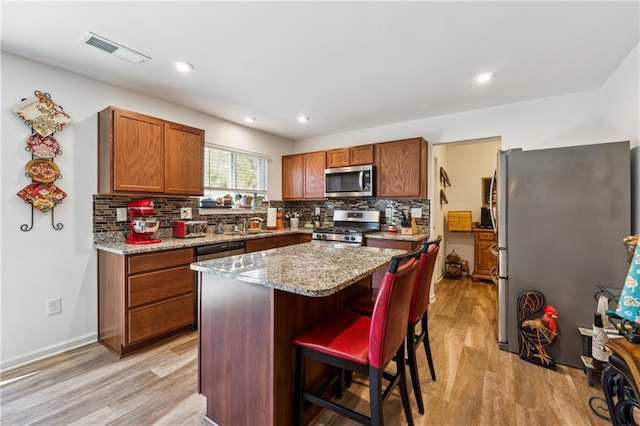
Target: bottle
(279, 219)
(599, 354)
(317, 221)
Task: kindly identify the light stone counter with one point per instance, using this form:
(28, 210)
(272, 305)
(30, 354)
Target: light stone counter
(176, 243)
(314, 269)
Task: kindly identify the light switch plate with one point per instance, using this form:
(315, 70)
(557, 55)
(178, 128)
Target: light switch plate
(121, 214)
(416, 212)
(185, 213)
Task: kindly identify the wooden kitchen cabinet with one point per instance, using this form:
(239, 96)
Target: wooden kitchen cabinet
(401, 168)
(483, 259)
(303, 175)
(271, 242)
(354, 156)
(144, 298)
(314, 165)
(142, 154)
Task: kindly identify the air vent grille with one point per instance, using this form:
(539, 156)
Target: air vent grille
(101, 44)
(114, 49)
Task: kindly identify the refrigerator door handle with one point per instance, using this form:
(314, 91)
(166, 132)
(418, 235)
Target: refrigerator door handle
(491, 189)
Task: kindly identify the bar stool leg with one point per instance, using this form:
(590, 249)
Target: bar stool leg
(404, 393)
(299, 391)
(413, 366)
(427, 347)
(375, 396)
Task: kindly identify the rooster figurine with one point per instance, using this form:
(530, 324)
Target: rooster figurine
(536, 333)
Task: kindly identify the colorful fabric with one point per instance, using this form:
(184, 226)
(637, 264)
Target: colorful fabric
(629, 304)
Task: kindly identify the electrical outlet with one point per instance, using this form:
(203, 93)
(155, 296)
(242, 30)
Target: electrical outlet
(416, 212)
(54, 306)
(185, 213)
(121, 213)
(317, 210)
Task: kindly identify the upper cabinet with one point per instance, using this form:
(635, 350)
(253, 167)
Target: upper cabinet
(354, 156)
(303, 176)
(401, 168)
(143, 154)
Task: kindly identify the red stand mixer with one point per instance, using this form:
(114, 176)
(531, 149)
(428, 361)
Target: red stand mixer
(140, 229)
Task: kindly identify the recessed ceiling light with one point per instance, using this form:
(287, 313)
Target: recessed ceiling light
(183, 66)
(484, 77)
(302, 119)
(249, 119)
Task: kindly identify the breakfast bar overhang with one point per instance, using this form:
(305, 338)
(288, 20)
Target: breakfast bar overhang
(249, 308)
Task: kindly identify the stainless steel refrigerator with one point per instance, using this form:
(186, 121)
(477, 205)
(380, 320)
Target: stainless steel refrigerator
(561, 215)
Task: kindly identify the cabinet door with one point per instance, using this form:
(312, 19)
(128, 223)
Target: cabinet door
(138, 152)
(184, 160)
(314, 165)
(361, 155)
(292, 176)
(338, 157)
(402, 168)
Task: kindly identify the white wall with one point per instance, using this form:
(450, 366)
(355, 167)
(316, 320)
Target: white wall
(43, 263)
(608, 114)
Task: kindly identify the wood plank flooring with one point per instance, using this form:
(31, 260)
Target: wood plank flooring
(477, 383)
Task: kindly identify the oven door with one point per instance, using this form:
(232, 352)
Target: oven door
(356, 181)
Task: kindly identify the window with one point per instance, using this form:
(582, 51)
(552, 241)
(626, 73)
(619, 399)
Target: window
(229, 171)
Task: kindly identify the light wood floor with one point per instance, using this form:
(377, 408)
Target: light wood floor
(477, 384)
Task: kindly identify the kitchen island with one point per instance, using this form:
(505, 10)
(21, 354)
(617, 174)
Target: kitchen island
(251, 305)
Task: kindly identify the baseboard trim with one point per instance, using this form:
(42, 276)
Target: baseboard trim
(46, 352)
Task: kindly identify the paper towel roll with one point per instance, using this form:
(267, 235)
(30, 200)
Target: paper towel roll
(272, 213)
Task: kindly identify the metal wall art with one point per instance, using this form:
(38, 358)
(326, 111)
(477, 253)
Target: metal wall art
(44, 117)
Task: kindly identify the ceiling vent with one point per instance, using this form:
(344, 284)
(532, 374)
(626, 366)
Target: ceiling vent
(114, 49)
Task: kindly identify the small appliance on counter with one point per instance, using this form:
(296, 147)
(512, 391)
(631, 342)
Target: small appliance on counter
(190, 228)
(141, 227)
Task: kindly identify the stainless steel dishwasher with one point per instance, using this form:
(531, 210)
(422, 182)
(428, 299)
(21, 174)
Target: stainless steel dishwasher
(214, 251)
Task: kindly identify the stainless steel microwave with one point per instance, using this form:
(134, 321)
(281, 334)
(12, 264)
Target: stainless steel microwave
(354, 181)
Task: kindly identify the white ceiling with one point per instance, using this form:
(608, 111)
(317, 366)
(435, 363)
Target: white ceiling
(345, 65)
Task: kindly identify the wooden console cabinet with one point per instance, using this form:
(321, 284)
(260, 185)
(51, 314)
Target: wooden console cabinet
(483, 259)
(143, 154)
(144, 298)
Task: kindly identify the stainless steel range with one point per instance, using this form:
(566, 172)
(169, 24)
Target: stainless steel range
(349, 226)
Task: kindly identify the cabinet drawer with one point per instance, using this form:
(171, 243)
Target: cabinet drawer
(487, 236)
(164, 259)
(154, 286)
(391, 244)
(271, 242)
(156, 319)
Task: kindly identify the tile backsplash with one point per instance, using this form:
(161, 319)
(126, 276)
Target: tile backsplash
(167, 210)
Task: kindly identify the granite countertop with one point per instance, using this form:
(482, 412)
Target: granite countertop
(314, 269)
(177, 243)
(398, 236)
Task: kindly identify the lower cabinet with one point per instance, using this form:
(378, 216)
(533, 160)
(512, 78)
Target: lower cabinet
(271, 242)
(144, 298)
(483, 260)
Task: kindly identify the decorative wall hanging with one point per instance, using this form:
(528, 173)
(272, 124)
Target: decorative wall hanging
(44, 117)
(42, 114)
(536, 332)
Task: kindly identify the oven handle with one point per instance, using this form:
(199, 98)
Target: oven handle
(361, 180)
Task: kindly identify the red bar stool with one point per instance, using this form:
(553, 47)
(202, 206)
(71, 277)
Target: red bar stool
(357, 343)
(417, 313)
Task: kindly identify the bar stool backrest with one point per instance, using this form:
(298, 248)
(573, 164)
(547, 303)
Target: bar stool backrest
(391, 310)
(420, 299)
